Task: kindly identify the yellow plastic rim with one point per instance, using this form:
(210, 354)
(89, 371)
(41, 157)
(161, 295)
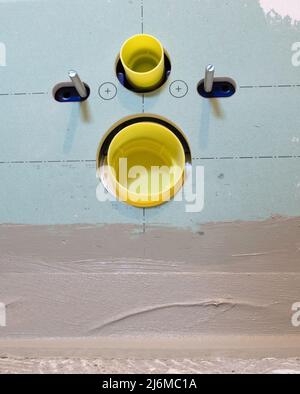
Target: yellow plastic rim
(146, 164)
(142, 57)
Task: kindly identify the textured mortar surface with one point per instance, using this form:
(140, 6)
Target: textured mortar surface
(149, 366)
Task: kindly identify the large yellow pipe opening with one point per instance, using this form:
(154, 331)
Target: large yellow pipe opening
(143, 59)
(146, 164)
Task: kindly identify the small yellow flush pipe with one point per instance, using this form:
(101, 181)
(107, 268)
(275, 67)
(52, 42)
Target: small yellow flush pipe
(143, 59)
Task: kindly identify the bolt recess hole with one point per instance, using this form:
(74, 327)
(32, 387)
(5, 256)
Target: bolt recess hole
(67, 93)
(222, 88)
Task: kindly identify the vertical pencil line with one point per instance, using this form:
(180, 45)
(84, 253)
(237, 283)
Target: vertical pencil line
(142, 15)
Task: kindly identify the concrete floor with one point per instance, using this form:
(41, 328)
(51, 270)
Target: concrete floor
(149, 366)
